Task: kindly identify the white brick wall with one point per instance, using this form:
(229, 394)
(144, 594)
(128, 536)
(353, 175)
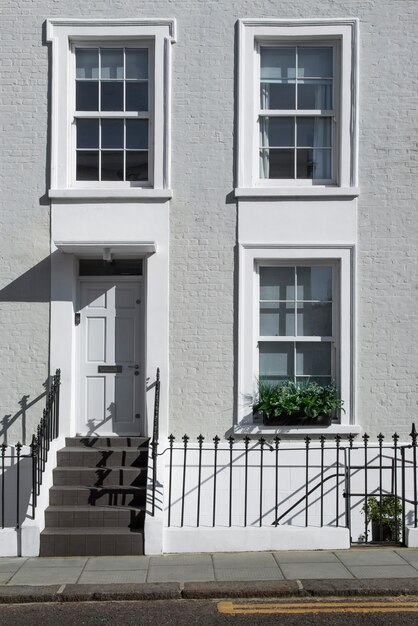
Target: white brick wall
(203, 213)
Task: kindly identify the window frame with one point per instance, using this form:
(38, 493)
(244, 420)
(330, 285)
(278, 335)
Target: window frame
(66, 35)
(343, 36)
(253, 256)
(333, 339)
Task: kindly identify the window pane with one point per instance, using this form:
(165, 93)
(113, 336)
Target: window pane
(87, 63)
(277, 163)
(279, 95)
(137, 96)
(136, 63)
(277, 132)
(276, 361)
(314, 283)
(314, 164)
(87, 96)
(137, 165)
(137, 134)
(277, 63)
(314, 319)
(314, 132)
(88, 165)
(320, 380)
(277, 320)
(313, 359)
(88, 134)
(277, 283)
(314, 62)
(112, 96)
(112, 165)
(112, 134)
(112, 63)
(315, 94)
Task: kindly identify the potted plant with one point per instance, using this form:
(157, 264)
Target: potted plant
(290, 403)
(385, 520)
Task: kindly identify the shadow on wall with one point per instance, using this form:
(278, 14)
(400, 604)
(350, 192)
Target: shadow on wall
(32, 286)
(13, 514)
(8, 422)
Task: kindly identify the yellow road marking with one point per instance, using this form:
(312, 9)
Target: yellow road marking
(251, 608)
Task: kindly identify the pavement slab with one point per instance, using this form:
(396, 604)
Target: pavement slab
(373, 571)
(180, 573)
(11, 565)
(118, 563)
(46, 576)
(369, 557)
(316, 556)
(181, 559)
(296, 571)
(112, 576)
(255, 573)
(56, 561)
(236, 560)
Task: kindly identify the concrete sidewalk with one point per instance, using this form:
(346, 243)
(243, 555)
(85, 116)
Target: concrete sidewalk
(356, 571)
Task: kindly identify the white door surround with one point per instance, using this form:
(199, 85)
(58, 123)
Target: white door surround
(110, 361)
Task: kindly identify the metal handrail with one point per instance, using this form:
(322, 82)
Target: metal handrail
(155, 436)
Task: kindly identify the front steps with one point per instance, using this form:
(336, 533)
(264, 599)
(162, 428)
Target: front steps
(97, 501)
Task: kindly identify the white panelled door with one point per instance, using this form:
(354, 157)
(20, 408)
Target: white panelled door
(110, 347)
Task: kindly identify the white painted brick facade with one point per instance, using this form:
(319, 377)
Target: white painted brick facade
(203, 212)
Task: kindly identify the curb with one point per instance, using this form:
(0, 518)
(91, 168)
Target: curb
(208, 590)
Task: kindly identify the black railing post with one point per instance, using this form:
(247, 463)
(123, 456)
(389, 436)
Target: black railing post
(307, 441)
(414, 462)
(261, 441)
(403, 492)
(395, 438)
(18, 448)
(380, 439)
(322, 441)
(185, 439)
(57, 397)
(216, 441)
(33, 451)
(246, 442)
(231, 443)
(366, 518)
(276, 480)
(348, 482)
(200, 440)
(155, 437)
(170, 478)
(337, 484)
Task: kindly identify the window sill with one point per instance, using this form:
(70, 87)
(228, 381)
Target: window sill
(296, 192)
(111, 194)
(293, 431)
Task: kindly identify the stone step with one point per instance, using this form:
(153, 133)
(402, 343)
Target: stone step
(70, 516)
(107, 442)
(91, 542)
(110, 496)
(100, 476)
(102, 457)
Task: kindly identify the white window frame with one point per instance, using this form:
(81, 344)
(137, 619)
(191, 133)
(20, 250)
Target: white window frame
(252, 256)
(65, 35)
(342, 34)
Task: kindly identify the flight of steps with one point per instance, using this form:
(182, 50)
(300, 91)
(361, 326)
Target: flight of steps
(97, 501)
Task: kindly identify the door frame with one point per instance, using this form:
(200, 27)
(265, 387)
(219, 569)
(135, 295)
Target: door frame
(142, 351)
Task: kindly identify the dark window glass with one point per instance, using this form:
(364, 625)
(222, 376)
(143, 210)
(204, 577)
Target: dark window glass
(88, 134)
(88, 165)
(136, 96)
(136, 62)
(112, 165)
(87, 96)
(281, 163)
(136, 165)
(112, 134)
(278, 95)
(137, 134)
(112, 96)
(118, 267)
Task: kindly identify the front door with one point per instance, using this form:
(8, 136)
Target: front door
(110, 350)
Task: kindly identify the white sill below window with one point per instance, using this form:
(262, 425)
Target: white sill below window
(278, 192)
(254, 429)
(109, 193)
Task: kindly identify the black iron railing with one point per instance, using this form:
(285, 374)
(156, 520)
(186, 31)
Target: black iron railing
(154, 442)
(36, 457)
(324, 482)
